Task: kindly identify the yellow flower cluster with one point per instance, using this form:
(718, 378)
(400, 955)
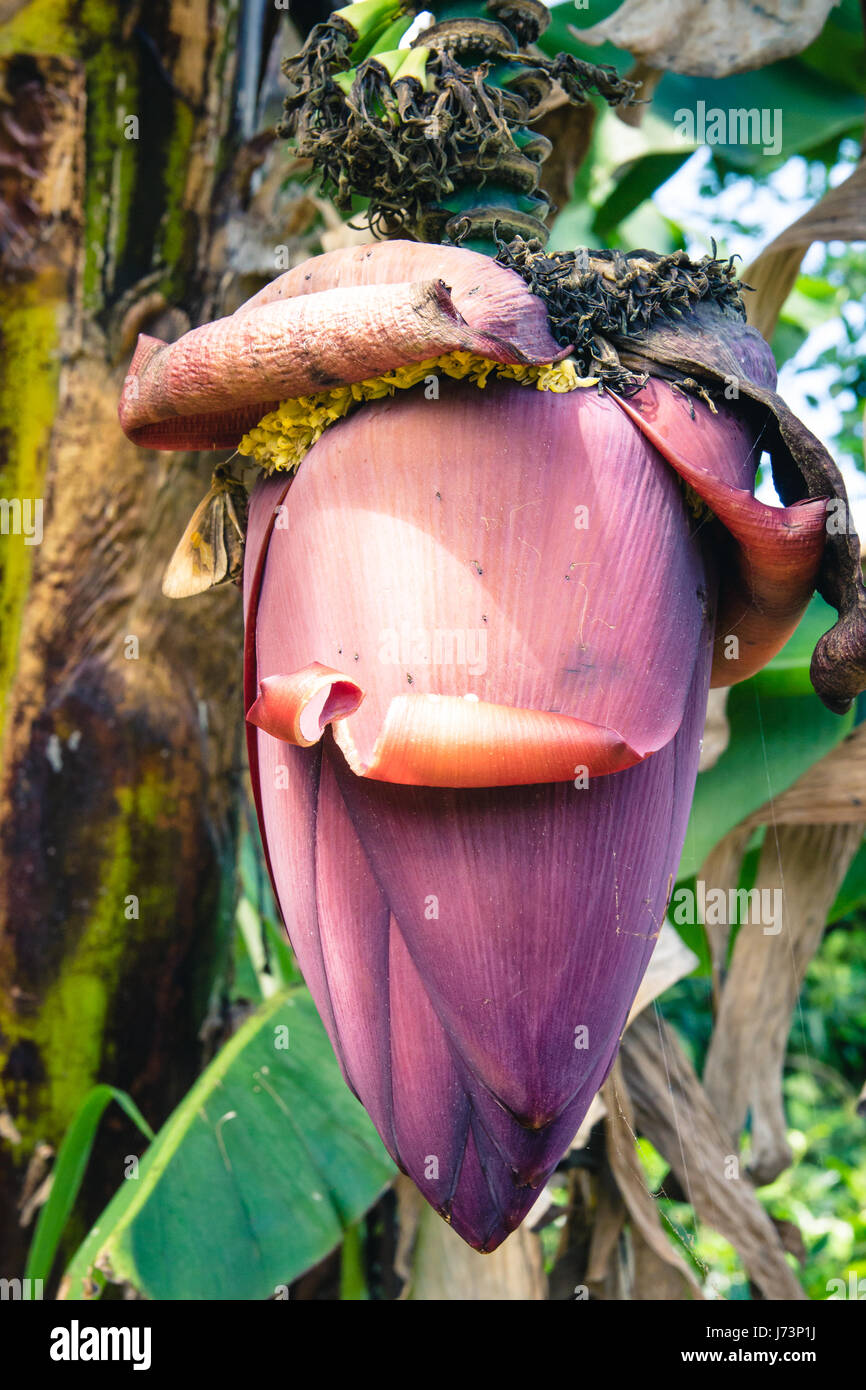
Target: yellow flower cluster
(283, 437)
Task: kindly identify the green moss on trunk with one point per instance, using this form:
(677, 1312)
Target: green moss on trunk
(29, 372)
(67, 1034)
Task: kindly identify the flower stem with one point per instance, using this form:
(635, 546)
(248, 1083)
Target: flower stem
(437, 135)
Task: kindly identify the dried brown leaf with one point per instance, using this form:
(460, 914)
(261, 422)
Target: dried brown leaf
(626, 1167)
(572, 1256)
(805, 866)
(831, 792)
(721, 869)
(653, 1279)
(569, 129)
(711, 38)
(673, 1111)
(439, 1267)
(645, 78)
(717, 730)
(839, 216)
(603, 1275)
(670, 961)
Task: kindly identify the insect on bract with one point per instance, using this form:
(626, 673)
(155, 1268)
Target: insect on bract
(211, 550)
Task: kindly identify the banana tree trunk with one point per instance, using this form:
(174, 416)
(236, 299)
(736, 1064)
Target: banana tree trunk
(120, 759)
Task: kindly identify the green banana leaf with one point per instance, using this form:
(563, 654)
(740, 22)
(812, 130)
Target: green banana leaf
(852, 894)
(557, 37)
(257, 1175)
(839, 52)
(638, 180)
(68, 1175)
(814, 108)
(819, 92)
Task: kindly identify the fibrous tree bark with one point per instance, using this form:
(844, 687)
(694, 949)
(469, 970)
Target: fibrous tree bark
(121, 712)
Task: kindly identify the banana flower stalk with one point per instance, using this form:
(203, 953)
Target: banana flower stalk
(482, 617)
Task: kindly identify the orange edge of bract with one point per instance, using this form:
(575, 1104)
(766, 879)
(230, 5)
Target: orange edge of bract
(433, 740)
(297, 708)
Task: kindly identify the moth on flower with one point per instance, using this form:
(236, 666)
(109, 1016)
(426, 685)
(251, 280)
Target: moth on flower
(211, 550)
